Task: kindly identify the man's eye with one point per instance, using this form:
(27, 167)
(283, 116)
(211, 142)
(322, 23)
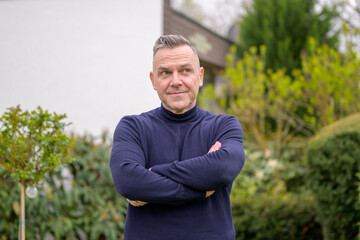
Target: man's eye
(186, 70)
(164, 73)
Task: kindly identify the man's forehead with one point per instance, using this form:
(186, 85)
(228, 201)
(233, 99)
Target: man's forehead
(181, 55)
(175, 51)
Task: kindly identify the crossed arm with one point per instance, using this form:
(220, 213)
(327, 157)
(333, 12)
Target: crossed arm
(138, 203)
(134, 181)
(180, 181)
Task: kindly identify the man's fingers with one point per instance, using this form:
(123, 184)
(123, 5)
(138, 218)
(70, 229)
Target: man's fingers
(131, 202)
(209, 193)
(136, 203)
(215, 147)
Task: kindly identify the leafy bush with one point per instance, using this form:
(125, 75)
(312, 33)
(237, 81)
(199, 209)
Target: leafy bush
(273, 105)
(270, 201)
(78, 202)
(32, 143)
(265, 217)
(270, 175)
(333, 163)
(330, 82)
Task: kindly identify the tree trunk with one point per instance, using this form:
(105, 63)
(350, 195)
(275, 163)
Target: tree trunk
(279, 134)
(22, 213)
(259, 139)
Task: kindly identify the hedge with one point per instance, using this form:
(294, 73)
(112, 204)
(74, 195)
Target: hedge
(333, 158)
(280, 217)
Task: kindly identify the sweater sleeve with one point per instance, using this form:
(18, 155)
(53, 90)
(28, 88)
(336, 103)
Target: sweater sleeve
(133, 181)
(214, 170)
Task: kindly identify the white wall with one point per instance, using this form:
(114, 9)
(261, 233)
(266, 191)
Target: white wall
(89, 59)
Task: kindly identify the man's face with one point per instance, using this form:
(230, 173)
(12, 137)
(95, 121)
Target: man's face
(177, 77)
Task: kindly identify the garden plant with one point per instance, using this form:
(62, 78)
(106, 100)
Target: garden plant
(32, 144)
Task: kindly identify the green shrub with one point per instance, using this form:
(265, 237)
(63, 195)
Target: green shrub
(270, 175)
(81, 205)
(270, 200)
(333, 158)
(265, 217)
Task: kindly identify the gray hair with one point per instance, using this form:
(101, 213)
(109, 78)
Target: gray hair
(173, 41)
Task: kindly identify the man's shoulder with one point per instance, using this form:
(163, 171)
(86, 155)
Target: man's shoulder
(222, 123)
(135, 122)
(209, 116)
(145, 116)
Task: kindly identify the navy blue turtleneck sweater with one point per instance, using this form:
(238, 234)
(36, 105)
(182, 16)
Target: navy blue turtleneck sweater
(175, 147)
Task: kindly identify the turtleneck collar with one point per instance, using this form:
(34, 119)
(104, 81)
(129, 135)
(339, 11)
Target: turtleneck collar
(190, 115)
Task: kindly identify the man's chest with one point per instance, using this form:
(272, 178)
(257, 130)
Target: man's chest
(177, 142)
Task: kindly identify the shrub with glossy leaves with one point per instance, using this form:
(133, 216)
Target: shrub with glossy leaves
(333, 158)
(271, 217)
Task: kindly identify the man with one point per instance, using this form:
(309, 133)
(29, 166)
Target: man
(176, 163)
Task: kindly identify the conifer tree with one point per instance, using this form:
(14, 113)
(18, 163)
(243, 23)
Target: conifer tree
(284, 27)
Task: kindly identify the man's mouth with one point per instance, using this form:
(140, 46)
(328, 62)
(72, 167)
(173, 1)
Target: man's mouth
(176, 93)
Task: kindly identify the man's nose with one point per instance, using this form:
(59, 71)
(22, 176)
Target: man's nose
(176, 81)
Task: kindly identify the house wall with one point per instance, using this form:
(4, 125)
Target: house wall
(89, 59)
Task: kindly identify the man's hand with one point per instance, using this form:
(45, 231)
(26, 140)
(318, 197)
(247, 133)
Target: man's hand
(136, 203)
(209, 193)
(215, 147)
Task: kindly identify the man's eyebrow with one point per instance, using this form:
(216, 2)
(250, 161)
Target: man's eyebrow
(163, 69)
(186, 65)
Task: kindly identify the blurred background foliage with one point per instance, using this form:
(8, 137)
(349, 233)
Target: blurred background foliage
(276, 107)
(288, 82)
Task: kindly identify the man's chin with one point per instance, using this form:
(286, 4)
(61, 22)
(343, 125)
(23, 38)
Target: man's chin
(179, 108)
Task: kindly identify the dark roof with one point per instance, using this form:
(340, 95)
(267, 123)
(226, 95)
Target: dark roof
(212, 48)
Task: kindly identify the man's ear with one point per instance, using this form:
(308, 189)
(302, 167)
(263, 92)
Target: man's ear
(201, 79)
(152, 80)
